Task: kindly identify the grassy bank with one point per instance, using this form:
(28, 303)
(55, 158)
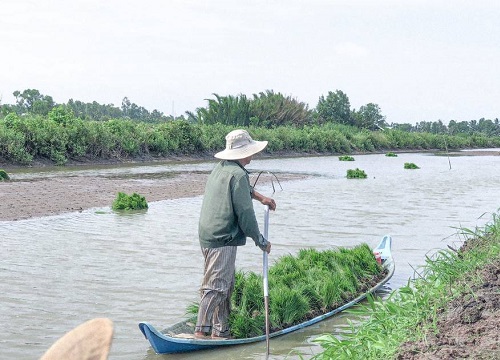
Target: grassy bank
(412, 313)
(60, 137)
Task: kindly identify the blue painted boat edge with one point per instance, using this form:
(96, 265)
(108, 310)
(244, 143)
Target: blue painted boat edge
(164, 344)
(150, 332)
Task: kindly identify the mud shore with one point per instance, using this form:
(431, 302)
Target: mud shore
(468, 327)
(26, 199)
(22, 198)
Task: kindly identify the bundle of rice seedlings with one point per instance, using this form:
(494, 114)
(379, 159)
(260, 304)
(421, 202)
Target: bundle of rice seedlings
(410, 166)
(356, 174)
(4, 175)
(300, 288)
(129, 202)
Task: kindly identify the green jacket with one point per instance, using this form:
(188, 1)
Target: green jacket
(227, 215)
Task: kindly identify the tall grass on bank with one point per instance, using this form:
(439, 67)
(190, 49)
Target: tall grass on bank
(410, 313)
(60, 136)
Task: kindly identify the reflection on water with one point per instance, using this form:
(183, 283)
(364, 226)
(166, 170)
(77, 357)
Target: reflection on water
(57, 272)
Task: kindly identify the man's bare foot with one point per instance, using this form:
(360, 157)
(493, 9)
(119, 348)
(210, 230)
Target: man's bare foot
(201, 335)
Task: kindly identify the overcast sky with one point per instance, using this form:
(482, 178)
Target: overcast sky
(418, 60)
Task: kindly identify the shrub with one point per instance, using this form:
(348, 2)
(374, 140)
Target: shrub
(363, 141)
(101, 142)
(124, 134)
(78, 138)
(61, 115)
(213, 136)
(12, 146)
(182, 137)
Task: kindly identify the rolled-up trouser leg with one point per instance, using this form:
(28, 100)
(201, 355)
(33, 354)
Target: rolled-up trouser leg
(216, 289)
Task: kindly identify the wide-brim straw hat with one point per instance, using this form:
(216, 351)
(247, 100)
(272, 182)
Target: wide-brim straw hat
(239, 145)
(88, 341)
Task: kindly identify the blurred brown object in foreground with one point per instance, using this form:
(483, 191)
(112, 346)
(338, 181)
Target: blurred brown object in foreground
(88, 341)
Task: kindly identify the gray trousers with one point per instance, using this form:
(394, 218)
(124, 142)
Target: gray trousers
(216, 289)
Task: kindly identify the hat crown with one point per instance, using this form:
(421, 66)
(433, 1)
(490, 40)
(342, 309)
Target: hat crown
(237, 139)
(240, 145)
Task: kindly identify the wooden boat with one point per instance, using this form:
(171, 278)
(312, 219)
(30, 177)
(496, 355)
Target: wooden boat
(179, 337)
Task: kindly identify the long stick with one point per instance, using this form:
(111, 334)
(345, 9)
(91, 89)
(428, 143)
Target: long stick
(447, 152)
(264, 272)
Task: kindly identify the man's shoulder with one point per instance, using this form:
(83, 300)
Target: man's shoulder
(232, 167)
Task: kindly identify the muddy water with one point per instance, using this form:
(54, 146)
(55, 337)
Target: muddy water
(56, 272)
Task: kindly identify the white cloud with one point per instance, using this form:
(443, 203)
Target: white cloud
(401, 55)
(350, 49)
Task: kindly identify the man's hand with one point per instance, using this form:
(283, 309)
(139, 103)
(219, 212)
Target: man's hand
(269, 202)
(264, 200)
(263, 244)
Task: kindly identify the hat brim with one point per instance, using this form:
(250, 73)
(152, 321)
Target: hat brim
(240, 153)
(90, 340)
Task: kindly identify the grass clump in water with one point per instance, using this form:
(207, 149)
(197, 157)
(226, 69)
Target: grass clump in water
(391, 154)
(129, 202)
(356, 174)
(4, 175)
(346, 158)
(411, 166)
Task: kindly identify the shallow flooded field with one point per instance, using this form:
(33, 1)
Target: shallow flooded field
(57, 272)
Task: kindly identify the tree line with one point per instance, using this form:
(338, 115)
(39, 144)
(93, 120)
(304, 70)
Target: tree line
(31, 101)
(267, 109)
(484, 126)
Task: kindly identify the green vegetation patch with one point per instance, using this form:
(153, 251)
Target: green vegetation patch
(411, 166)
(129, 202)
(391, 154)
(300, 288)
(356, 174)
(61, 136)
(346, 158)
(36, 128)
(4, 175)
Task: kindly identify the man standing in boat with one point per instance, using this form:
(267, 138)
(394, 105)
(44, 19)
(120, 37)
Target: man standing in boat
(227, 219)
